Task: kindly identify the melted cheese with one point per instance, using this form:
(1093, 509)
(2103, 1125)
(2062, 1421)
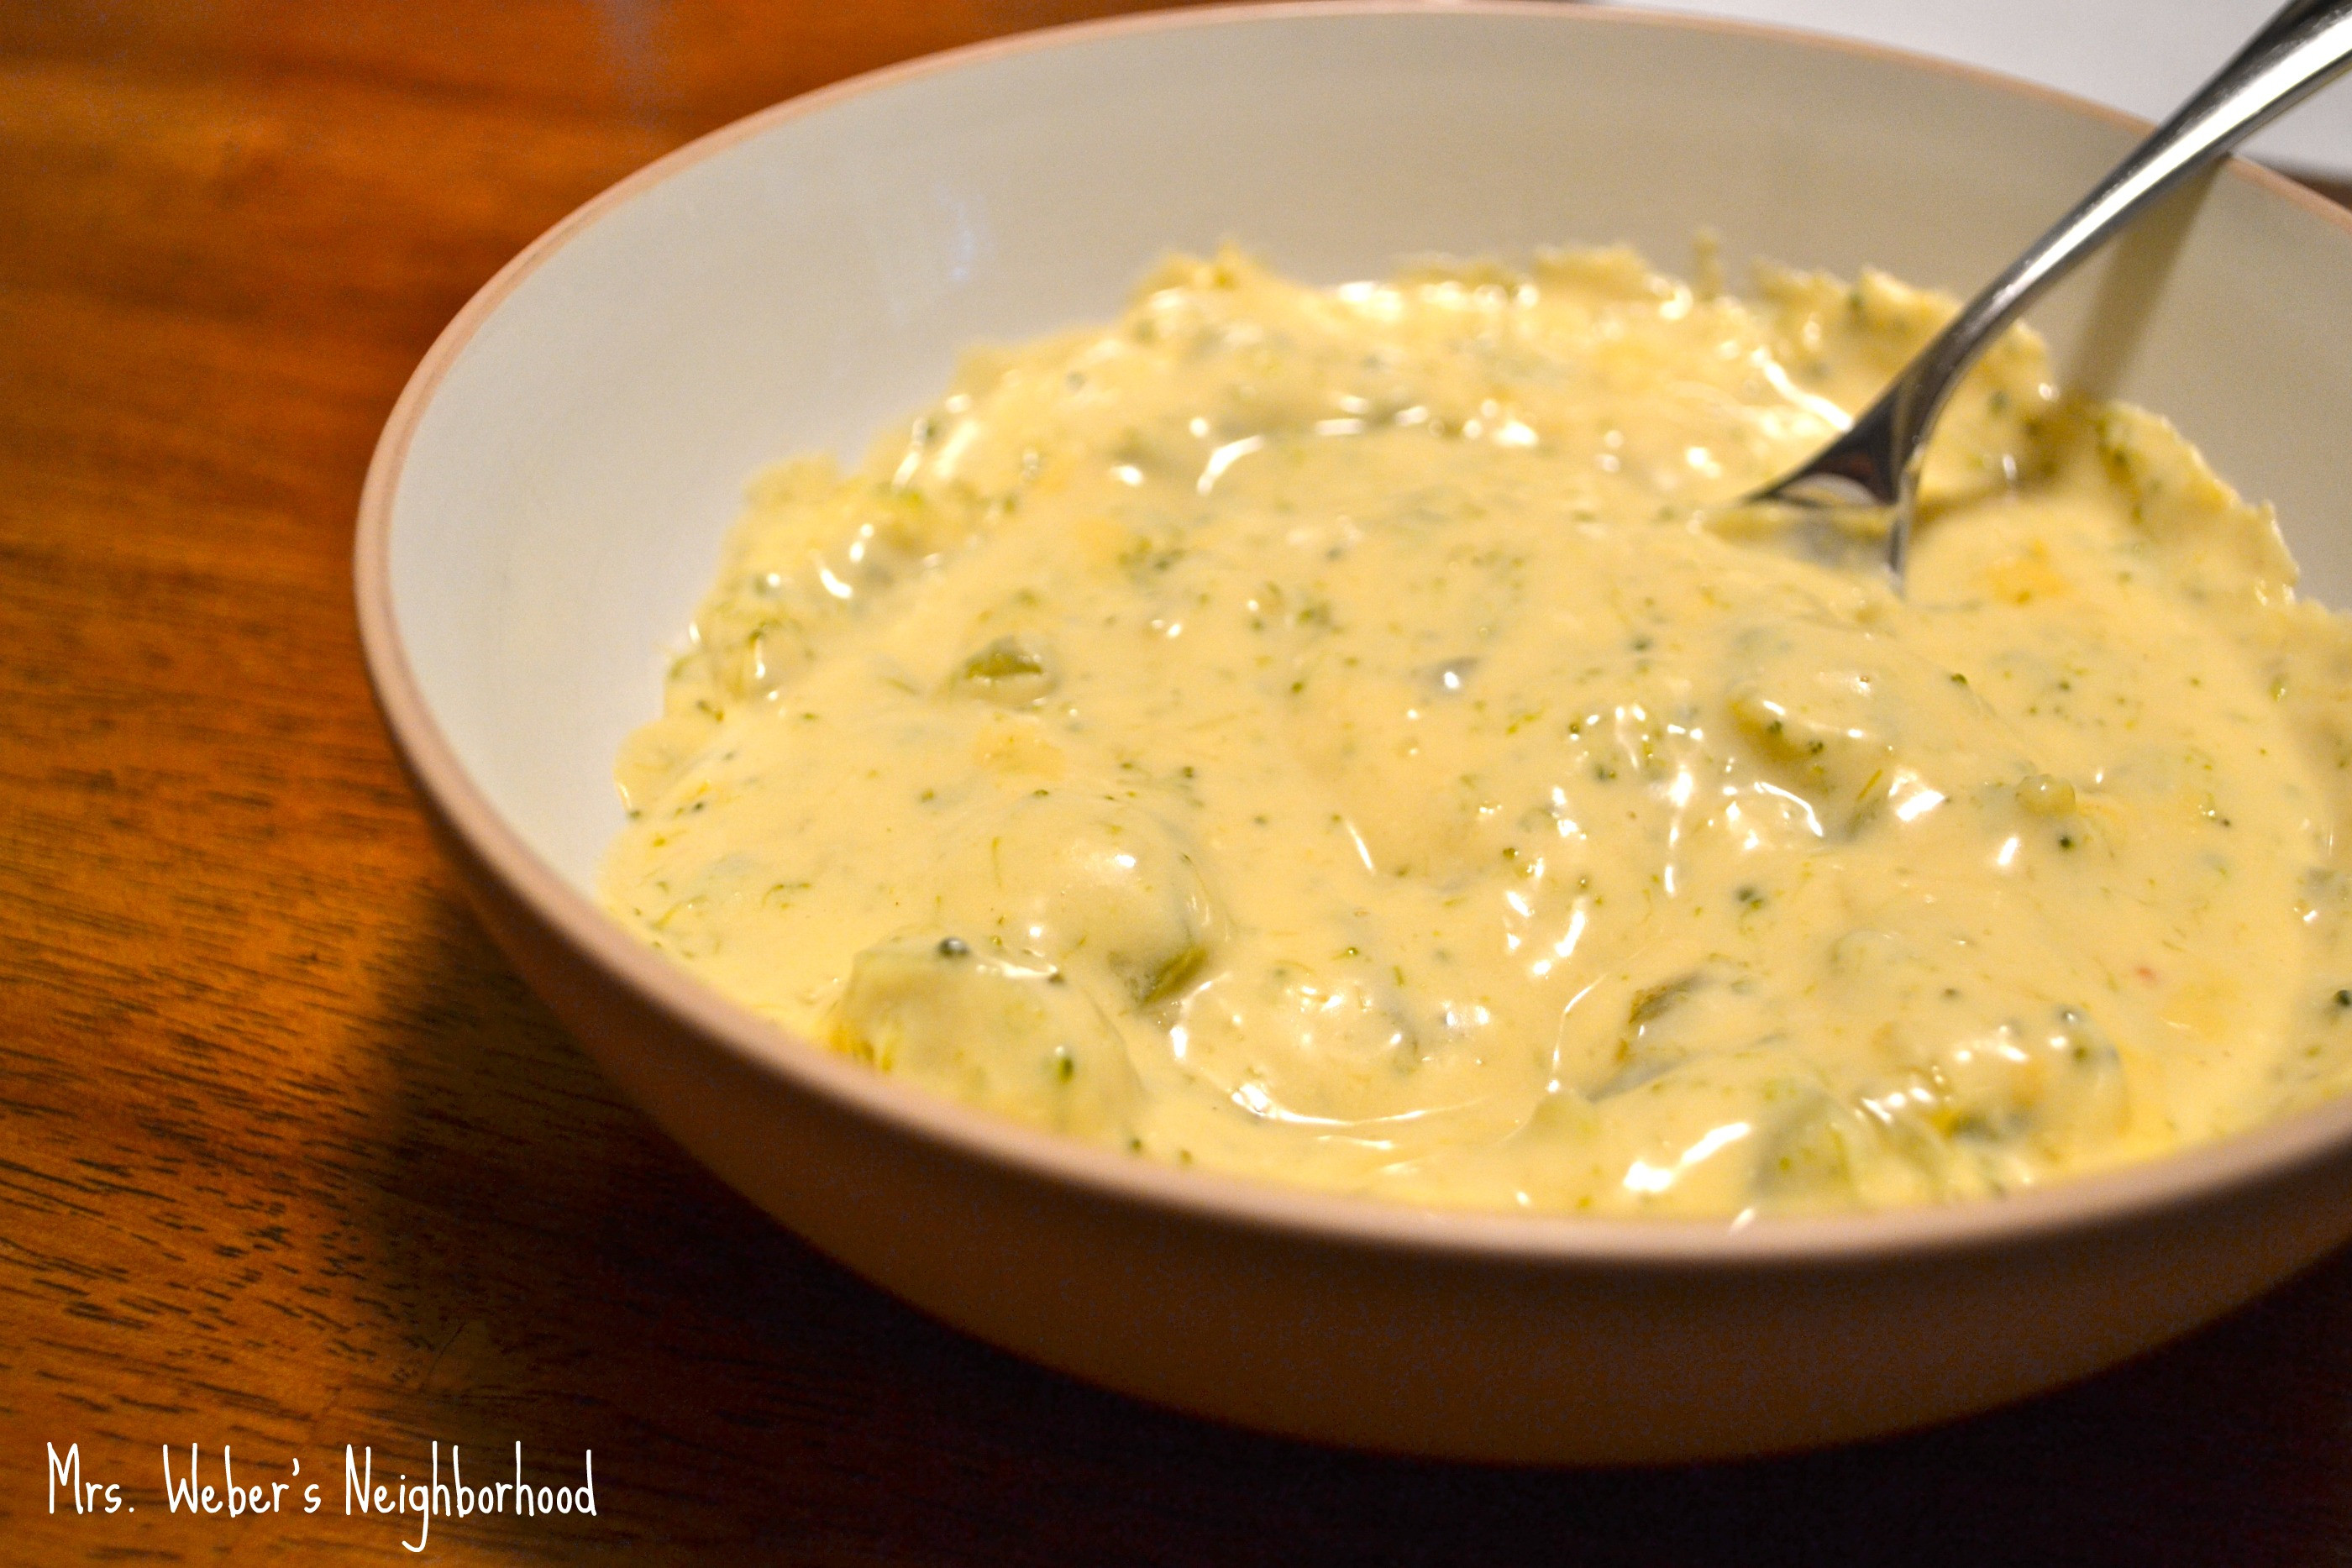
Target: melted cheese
(1319, 735)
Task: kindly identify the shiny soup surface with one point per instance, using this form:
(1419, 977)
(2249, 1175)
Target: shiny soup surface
(1330, 735)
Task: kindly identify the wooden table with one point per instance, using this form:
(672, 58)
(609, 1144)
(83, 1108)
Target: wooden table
(290, 1160)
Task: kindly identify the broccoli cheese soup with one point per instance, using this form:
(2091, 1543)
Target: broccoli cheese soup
(1321, 735)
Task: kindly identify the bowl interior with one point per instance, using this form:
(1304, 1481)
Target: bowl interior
(805, 278)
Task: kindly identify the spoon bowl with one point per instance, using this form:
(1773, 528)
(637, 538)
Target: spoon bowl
(1874, 467)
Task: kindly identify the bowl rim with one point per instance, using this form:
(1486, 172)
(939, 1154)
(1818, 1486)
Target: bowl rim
(2210, 1173)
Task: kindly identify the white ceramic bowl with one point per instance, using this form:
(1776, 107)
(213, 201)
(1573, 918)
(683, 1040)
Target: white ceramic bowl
(547, 502)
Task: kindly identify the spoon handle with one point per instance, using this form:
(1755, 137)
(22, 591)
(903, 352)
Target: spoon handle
(2298, 51)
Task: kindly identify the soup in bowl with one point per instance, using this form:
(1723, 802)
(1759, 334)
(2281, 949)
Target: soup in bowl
(554, 489)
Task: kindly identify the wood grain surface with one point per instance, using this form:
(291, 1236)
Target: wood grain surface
(290, 1160)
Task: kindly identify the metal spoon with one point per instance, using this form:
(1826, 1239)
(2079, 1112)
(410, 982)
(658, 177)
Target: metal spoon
(1867, 480)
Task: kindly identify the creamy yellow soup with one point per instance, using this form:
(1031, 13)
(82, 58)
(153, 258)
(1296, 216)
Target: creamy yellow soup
(1326, 734)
